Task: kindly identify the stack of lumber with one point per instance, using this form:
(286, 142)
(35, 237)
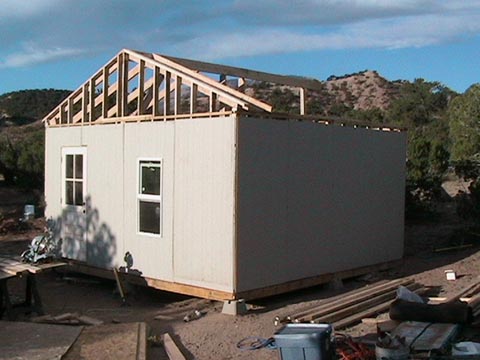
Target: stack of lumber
(474, 300)
(350, 308)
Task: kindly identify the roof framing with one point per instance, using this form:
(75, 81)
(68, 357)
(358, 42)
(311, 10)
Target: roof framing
(135, 86)
(299, 82)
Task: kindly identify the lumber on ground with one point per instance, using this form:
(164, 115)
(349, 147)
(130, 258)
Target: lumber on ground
(466, 290)
(355, 318)
(474, 301)
(171, 348)
(350, 299)
(329, 316)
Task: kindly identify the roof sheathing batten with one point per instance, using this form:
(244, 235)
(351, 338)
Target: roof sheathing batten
(151, 89)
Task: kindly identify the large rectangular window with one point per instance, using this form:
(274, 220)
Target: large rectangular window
(149, 197)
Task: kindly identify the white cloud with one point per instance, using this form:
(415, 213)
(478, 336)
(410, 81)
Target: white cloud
(61, 28)
(328, 12)
(11, 9)
(418, 31)
(34, 55)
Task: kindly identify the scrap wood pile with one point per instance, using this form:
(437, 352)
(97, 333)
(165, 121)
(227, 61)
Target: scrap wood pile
(417, 326)
(350, 308)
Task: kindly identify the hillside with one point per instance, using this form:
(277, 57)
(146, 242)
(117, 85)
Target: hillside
(365, 90)
(26, 106)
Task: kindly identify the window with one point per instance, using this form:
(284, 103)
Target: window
(74, 182)
(150, 197)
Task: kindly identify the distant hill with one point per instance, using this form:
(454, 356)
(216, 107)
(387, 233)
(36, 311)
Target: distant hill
(26, 106)
(365, 90)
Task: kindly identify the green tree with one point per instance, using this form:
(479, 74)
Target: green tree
(420, 102)
(464, 120)
(22, 161)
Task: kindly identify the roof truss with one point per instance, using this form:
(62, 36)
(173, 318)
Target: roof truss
(137, 86)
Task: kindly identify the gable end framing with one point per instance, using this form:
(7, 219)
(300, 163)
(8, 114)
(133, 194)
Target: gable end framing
(139, 86)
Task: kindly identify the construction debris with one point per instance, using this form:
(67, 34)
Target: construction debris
(424, 336)
(68, 319)
(172, 350)
(194, 315)
(352, 307)
(391, 347)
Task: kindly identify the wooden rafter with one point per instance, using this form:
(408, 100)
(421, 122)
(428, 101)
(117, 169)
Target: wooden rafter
(224, 70)
(136, 84)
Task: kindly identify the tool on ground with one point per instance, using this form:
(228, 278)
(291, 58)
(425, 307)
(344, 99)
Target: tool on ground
(120, 287)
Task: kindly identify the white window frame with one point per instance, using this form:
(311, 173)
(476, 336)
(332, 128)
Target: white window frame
(147, 197)
(77, 150)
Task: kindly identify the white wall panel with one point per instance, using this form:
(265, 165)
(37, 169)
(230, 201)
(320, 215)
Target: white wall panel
(204, 202)
(152, 254)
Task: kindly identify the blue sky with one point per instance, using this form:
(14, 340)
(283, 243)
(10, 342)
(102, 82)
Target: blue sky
(60, 43)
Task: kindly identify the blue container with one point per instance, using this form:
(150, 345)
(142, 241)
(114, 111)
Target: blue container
(305, 342)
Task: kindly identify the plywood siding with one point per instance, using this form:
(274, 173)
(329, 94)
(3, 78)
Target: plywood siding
(204, 202)
(316, 199)
(102, 216)
(55, 139)
(152, 254)
(104, 205)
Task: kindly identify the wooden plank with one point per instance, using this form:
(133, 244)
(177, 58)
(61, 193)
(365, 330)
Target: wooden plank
(121, 85)
(248, 74)
(474, 301)
(70, 110)
(139, 118)
(423, 336)
(166, 99)
(171, 348)
(193, 98)
(303, 97)
(84, 110)
(213, 102)
(91, 102)
(353, 298)
(211, 85)
(475, 283)
(353, 319)
(178, 95)
(25, 340)
(14, 266)
(142, 342)
(345, 311)
(5, 275)
(141, 89)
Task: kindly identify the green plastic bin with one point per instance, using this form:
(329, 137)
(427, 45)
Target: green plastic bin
(305, 342)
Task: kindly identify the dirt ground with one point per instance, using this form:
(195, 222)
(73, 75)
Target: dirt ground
(215, 335)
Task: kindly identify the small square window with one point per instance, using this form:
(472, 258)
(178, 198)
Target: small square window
(149, 217)
(150, 179)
